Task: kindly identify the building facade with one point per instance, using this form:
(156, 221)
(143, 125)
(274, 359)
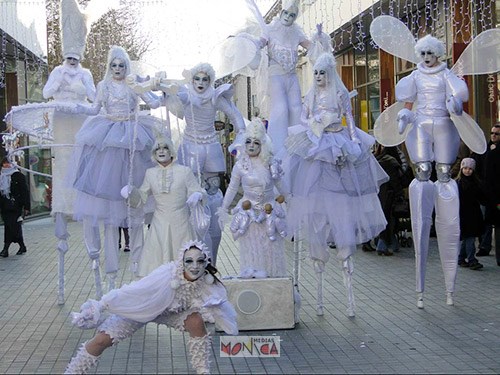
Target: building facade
(23, 72)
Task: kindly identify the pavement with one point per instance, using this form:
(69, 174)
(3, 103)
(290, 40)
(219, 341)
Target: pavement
(388, 335)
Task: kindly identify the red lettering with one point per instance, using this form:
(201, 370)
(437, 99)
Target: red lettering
(264, 349)
(236, 349)
(274, 349)
(225, 348)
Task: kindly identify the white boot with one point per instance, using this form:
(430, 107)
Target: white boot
(199, 350)
(81, 362)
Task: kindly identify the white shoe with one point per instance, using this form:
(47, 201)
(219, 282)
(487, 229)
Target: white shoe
(420, 300)
(449, 299)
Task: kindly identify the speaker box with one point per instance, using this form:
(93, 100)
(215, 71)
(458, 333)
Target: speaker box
(262, 303)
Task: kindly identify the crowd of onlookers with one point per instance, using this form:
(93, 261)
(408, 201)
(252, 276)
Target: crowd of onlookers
(478, 181)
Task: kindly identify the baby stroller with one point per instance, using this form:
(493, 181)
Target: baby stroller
(401, 213)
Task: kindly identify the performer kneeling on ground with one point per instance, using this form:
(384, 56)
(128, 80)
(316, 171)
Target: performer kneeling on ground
(181, 294)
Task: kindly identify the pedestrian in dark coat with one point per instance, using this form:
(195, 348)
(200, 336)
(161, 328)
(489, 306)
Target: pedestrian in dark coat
(14, 204)
(492, 186)
(471, 197)
(389, 192)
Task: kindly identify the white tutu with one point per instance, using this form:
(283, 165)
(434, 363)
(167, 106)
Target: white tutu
(103, 164)
(334, 184)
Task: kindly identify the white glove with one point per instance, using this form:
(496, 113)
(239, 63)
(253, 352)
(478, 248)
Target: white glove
(194, 198)
(405, 117)
(222, 217)
(454, 105)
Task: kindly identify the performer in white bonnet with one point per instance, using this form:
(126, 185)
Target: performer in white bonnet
(115, 145)
(333, 177)
(182, 294)
(262, 247)
(433, 138)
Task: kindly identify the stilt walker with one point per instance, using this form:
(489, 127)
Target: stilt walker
(333, 179)
(430, 119)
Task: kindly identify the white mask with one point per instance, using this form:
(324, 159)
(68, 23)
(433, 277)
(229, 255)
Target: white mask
(212, 184)
(162, 155)
(288, 17)
(320, 77)
(195, 263)
(428, 58)
(201, 82)
(118, 69)
(252, 146)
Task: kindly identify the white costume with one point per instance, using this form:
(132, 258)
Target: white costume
(170, 187)
(200, 148)
(67, 83)
(261, 255)
(333, 177)
(433, 138)
(283, 37)
(114, 150)
(432, 132)
(164, 297)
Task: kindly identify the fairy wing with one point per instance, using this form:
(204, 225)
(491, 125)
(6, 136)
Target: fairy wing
(482, 55)
(385, 129)
(470, 132)
(234, 53)
(392, 35)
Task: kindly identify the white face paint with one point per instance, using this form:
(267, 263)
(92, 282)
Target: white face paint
(201, 82)
(288, 17)
(428, 58)
(163, 155)
(252, 146)
(320, 77)
(118, 69)
(194, 264)
(71, 61)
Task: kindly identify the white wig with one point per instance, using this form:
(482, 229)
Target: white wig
(429, 43)
(193, 243)
(163, 141)
(327, 62)
(256, 130)
(204, 68)
(116, 52)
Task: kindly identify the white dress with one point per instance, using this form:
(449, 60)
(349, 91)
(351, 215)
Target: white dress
(170, 187)
(260, 256)
(114, 150)
(333, 180)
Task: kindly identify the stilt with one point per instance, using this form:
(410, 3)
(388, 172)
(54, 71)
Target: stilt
(97, 278)
(319, 267)
(347, 270)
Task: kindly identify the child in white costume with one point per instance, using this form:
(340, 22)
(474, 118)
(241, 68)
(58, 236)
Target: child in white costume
(180, 294)
(172, 186)
(258, 174)
(333, 176)
(114, 151)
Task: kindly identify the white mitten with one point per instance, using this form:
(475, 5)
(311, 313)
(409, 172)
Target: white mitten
(405, 117)
(194, 198)
(454, 105)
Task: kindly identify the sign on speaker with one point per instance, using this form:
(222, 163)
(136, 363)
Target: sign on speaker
(250, 346)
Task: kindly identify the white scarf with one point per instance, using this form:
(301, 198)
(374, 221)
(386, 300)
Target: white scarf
(5, 177)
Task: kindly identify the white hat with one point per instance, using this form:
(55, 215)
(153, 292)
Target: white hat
(74, 29)
(468, 163)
